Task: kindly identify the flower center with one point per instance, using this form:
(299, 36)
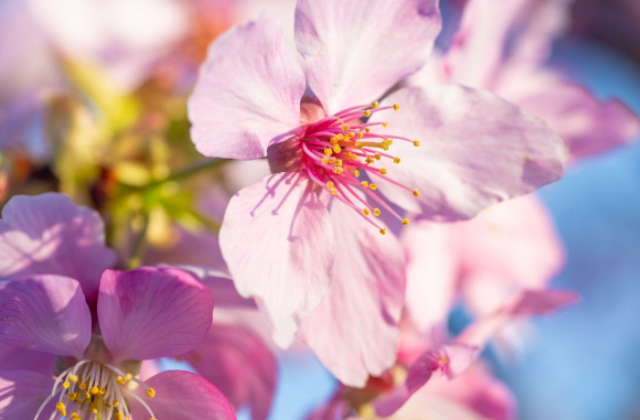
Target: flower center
(94, 390)
(335, 151)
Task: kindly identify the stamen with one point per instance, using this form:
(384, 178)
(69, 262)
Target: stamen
(334, 152)
(93, 390)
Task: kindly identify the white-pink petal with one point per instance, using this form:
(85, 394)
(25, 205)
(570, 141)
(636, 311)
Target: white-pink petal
(475, 150)
(279, 244)
(356, 50)
(248, 92)
(354, 332)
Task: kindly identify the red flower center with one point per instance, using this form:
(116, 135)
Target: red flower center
(337, 151)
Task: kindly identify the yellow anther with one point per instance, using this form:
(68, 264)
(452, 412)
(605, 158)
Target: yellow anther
(325, 161)
(383, 171)
(367, 130)
(95, 390)
(66, 384)
(328, 152)
(396, 107)
(340, 137)
(334, 192)
(405, 222)
(73, 378)
(389, 142)
(337, 149)
(369, 160)
(365, 184)
(337, 170)
(119, 415)
(330, 185)
(87, 395)
(94, 409)
(360, 135)
(376, 212)
(396, 160)
(345, 127)
(416, 193)
(367, 113)
(151, 392)
(385, 124)
(373, 187)
(116, 403)
(120, 380)
(103, 391)
(82, 386)
(334, 140)
(73, 396)
(359, 145)
(339, 162)
(75, 416)
(356, 173)
(61, 408)
(383, 231)
(416, 143)
(366, 212)
(375, 104)
(377, 156)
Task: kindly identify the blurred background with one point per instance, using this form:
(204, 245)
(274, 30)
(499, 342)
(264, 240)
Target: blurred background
(92, 103)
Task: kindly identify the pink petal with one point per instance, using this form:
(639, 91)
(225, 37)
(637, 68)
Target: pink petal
(476, 150)
(240, 364)
(150, 313)
(249, 92)
(357, 50)
(22, 392)
(589, 125)
(477, 390)
(493, 33)
(525, 304)
(15, 358)
(221, 286)
(45, 313)
(182, 396)
(451, 359)
(278, 242)
(506, 248)
(49, 234)
(354, 332)
(432, 273)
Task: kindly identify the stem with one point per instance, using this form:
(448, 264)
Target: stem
(138, 247)
(200, 166)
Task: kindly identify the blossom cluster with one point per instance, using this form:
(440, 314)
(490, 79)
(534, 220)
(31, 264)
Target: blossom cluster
(349, 184)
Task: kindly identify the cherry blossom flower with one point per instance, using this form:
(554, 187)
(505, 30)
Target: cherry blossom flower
(50, 235)
(289, 236)
(142, 314)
